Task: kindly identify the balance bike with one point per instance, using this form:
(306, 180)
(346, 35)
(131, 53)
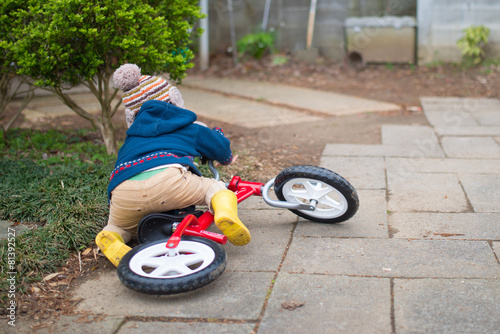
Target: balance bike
(178, 254)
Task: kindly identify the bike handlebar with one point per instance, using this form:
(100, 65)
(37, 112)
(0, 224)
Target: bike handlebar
(213, 170)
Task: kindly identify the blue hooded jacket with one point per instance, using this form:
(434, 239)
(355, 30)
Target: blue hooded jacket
(165, 134)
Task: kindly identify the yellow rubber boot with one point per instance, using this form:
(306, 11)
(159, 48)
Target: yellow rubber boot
(112, 246)
(224, 205)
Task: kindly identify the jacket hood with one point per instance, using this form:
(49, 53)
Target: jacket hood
(157, 117)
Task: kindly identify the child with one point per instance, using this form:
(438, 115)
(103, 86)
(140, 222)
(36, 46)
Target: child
(154, 171)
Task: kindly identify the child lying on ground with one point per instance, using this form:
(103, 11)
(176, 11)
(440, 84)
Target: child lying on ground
(154, 171)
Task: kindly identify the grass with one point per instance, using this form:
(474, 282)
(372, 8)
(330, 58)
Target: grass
(46, 194)
(54, 147)
(57, 182)
(492, 62)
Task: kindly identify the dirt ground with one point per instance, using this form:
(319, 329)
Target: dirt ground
(264, 152)
(280, 146)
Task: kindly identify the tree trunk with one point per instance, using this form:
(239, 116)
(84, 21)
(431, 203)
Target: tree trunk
(108, 135)
(103, 123)
(6, 96)
(27, 98)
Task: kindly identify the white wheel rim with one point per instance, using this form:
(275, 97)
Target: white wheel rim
(330, 202)
(190, 258)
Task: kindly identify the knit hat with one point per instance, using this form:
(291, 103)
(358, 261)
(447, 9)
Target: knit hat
(138, 89)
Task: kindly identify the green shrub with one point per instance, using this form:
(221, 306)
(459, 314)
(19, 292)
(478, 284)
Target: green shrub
(472, 44)
(256, 45)
(62, 43)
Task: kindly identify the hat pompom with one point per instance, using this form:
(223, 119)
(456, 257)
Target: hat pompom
(127, 76)
(175, 97)
(129, 117)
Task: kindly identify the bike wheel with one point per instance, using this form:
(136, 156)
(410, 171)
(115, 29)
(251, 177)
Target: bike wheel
(336, 198)
(148, 269)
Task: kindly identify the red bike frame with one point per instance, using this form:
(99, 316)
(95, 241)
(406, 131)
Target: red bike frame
(197, 227)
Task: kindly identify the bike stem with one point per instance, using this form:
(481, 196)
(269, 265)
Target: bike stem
(193, 226)
(244, 189)
(175, 238)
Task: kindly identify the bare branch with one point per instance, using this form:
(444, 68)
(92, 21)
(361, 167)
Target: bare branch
(5, 89)
(27, 98)
(93, 89)
(67, 100)
(115, 108)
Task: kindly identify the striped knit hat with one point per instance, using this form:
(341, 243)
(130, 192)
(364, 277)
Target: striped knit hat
(138, 89)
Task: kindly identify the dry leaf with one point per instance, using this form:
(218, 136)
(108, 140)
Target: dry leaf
(49, 277)
(292, 304)
(87, 251)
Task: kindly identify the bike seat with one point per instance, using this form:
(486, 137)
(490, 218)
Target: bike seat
(158, 226)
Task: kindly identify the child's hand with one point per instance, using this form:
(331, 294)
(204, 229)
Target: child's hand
(216, 164)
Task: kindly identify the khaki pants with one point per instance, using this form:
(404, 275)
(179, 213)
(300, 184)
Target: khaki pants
(173, 188)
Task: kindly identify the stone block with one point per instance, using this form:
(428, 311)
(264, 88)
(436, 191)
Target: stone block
(271, 231)
(451, 118)
(496, 248)
(483, 191)
(361, 172)
(477, 226)
(134, 327)
(280, 95)
(227, 109)
(87, 324)
(408, 135)
(369, 222)
(421, 149)
(403, 166)
(216, 300)
(76, 324)
(476, 131)
(419, 192)
(446, 306)
(471, 147)
(488, 117)
(392, 258)
(330, 304)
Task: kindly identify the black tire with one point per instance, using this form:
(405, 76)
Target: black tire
(170, 283)
(315, 176)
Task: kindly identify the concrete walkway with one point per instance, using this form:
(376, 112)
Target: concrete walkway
(422, 255)
(245, 103)
(290, 96)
